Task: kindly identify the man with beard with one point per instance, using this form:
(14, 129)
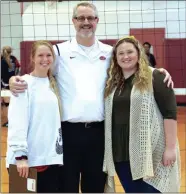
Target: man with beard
(81, 74)
(81, 71)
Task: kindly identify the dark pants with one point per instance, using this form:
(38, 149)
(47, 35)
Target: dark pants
(83, 158)
(130, 186)
(48, 180)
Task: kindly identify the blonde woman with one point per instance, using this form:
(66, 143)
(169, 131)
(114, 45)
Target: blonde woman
(34, 134)
(9, 66)
(140, 124)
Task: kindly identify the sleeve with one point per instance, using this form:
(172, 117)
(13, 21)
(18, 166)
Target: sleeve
(56, 62)
(18, 120)
(164, 96)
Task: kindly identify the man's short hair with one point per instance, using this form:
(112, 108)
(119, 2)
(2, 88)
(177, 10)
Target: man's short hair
(147, 44)
(85, 4)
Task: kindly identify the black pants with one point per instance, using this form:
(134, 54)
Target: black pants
(48, 180)
(83, 158)
(129, 185)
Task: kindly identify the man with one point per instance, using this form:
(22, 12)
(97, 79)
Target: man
(152, 61)
(81, 71)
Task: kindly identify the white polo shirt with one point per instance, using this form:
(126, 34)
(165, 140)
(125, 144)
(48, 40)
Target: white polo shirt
(81, 80)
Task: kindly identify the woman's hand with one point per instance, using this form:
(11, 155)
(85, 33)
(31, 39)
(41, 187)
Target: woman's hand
(169, 156)
(22, 168)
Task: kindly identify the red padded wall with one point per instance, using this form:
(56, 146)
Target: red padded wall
(155, 36)
(175, 58)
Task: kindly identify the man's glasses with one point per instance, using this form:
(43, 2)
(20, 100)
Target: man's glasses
(82, 18)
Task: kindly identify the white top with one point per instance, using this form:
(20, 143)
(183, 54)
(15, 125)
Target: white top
(81, 78)
(34, 127)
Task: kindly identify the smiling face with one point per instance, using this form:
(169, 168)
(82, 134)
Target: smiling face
(43, 58)
(86, 28)
(127, 56)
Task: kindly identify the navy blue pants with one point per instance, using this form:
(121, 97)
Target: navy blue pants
(129, 185)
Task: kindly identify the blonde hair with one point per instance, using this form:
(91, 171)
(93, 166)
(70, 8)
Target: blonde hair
(53, 83)
(143, 75)
(84, 4)
(6, 53)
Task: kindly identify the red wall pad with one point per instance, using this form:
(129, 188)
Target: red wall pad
(175, 58)
(155, 36)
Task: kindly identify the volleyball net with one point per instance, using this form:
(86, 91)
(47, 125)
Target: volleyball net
(161, 23)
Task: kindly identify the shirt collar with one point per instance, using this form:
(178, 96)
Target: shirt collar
(75, 47)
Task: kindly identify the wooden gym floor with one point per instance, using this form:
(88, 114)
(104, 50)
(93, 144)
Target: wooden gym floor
(181, 136)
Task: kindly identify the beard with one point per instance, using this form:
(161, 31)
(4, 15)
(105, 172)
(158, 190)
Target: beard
(86, 34)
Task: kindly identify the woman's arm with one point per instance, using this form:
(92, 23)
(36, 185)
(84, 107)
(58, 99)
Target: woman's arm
(169, 156)
(170, 126)
(167, 77)
(166, 102)
(18, 120)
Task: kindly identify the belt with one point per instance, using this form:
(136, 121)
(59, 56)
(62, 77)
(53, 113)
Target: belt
(85, 125)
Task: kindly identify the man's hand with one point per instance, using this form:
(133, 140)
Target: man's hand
(17, 85)
(168, 77)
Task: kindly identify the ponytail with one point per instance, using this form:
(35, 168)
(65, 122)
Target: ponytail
(6, 55)
(53, 85)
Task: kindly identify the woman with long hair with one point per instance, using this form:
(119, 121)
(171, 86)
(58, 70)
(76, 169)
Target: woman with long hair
(9, 66)
(140, 124)
(34, 134)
